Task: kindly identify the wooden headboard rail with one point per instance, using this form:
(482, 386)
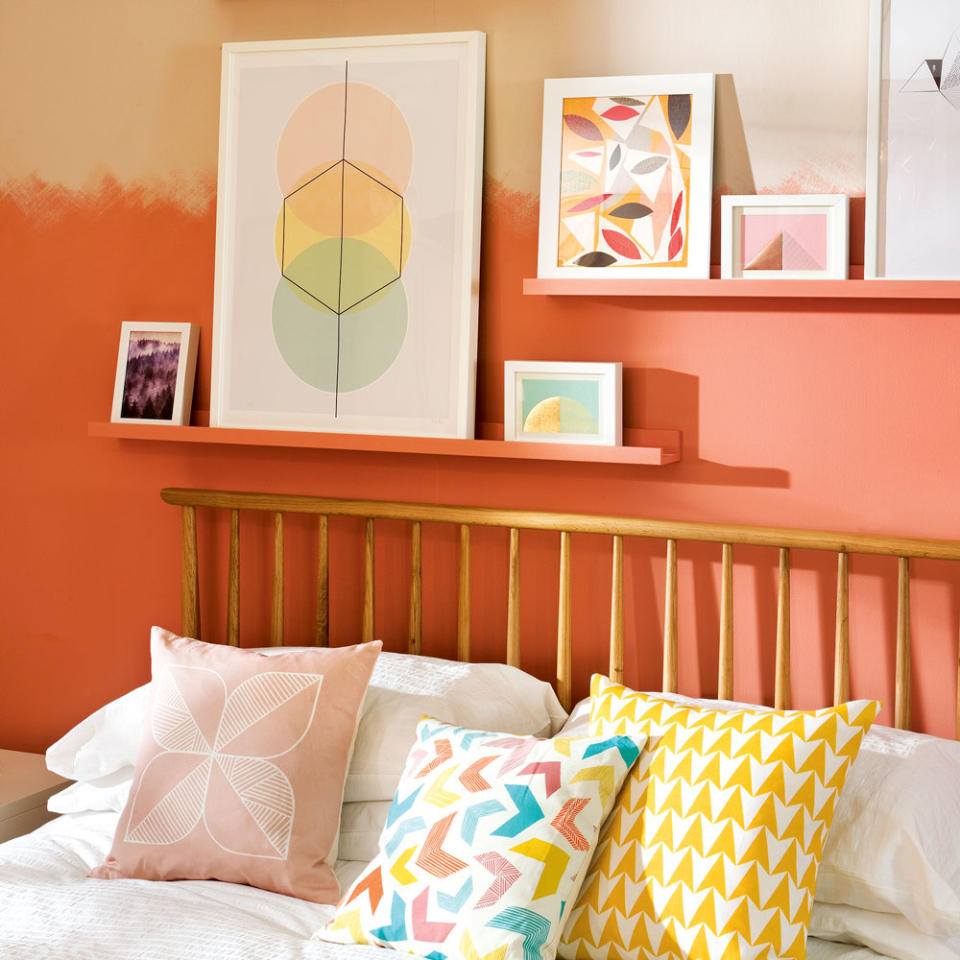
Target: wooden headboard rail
(673, 532)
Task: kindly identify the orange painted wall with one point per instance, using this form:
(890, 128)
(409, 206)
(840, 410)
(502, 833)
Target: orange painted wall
(806, 413)
(801, 413)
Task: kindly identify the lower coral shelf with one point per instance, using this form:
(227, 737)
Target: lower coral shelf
(643, 448)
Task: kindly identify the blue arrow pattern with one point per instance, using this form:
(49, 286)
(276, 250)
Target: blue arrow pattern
(467, 739)
(405, 827)
(397, 930)
(528, 811)
(399, 807)
(627, 748)
(453, 902)
(473, 815)
(531, 926)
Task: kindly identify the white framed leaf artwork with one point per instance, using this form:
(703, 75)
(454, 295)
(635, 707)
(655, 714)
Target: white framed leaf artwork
(626, 177)
(348, 235)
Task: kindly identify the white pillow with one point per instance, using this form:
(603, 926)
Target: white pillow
(404, 688)
(484, 696)
(578, 723)
(888, 934)
(361, 824)
(895, 841)
(894, 845)
(105, 741)
(104, 793)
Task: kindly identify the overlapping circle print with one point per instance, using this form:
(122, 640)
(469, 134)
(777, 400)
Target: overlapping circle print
(343, 235)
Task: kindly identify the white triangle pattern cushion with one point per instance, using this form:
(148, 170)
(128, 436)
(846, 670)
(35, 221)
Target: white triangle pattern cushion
(712, 849)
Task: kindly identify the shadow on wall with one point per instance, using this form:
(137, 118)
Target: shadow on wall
(732, 171)
(731, 158)
(668, 397)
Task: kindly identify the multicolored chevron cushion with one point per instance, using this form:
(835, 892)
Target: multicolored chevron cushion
(486, 843)
(711, 852)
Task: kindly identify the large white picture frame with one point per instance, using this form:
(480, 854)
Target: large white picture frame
(626, 181)
(913, 140)
(348, 235)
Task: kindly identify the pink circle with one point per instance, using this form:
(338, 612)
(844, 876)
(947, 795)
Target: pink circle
(313, 139)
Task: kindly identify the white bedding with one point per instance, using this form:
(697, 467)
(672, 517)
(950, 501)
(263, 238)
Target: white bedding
(49, 910)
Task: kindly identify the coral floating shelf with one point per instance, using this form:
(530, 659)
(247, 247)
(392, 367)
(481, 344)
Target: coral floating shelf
(780, 289)
(645, 447)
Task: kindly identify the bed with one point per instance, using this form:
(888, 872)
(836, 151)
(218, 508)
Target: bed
(51, 909)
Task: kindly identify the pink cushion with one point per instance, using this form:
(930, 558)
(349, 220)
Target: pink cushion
(241, 767)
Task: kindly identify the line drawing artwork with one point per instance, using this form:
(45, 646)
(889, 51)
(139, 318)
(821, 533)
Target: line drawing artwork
(939, 76)
(202, 753)
(343, 241)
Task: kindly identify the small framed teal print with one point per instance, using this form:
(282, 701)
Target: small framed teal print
(546, 402)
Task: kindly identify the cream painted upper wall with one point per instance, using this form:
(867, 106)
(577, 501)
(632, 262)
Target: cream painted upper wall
(131, 89)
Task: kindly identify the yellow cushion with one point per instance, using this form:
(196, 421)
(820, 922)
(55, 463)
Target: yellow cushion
(712, 849)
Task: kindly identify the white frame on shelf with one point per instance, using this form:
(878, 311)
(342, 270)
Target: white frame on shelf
(837, 208)
(875, 265)
(871, 236)
(701, 87)
(186, 370)
(609, 376)
(458, 421)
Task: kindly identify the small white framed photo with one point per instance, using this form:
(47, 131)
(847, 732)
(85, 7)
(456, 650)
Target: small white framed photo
(546, 402)
(156, 364)
(626, 177)
(784, 237)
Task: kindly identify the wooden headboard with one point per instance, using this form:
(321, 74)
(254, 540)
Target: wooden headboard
(616, 528)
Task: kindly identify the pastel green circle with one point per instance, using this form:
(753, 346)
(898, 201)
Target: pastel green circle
(366, 339)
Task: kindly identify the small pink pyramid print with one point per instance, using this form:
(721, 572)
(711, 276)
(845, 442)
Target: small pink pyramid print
(770, 257)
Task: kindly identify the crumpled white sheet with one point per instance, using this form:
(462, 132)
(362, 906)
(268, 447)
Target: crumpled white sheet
(50, 910)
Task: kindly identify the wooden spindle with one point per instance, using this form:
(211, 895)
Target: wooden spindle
(616, 612)
(463, 597)
(513, 601)
(781, 693)
(902, 698)
(415, 624)
(725, 669)
(233, 582)
(841, 649)
(189, 574)
(366, 621)
(276, 620)
(670, 621)
(321, 632)
(564, 639)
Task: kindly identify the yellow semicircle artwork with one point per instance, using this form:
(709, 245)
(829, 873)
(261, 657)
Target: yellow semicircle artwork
(559, 415)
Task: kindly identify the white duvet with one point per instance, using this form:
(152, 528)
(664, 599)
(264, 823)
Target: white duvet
(50, 910)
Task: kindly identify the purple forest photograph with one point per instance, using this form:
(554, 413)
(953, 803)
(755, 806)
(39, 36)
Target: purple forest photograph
(150, 380)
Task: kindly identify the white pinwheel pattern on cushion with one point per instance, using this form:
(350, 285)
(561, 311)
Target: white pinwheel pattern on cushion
(215, 765)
